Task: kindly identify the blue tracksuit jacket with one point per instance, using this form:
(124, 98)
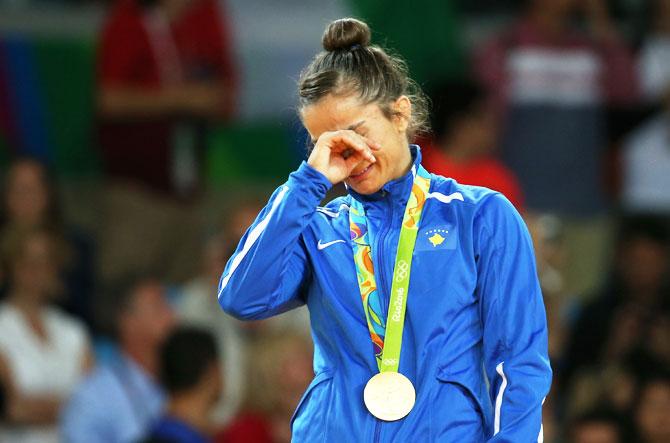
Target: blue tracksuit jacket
(475, 336)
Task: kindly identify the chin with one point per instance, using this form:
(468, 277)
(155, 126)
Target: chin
(366, 187)
(368, 183)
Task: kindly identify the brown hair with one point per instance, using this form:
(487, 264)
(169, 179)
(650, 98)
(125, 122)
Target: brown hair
(349, 64)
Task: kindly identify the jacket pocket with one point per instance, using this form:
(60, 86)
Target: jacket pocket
(457, 413)
(309, 419)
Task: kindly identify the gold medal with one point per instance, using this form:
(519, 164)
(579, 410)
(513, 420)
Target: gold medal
(389, 396)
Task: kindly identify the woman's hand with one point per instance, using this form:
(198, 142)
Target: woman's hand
(336, 154)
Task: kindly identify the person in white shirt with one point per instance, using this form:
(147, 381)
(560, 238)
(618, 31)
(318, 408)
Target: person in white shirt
(122, 398)
(45, 351)
(646, 163)
(646, 152)
(654, 61)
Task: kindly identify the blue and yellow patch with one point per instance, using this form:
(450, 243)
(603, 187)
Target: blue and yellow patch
(437, 238)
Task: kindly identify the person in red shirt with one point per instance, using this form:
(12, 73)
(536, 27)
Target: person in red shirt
(552, 75)
(165, 72)
(165, 68)
(465, 133)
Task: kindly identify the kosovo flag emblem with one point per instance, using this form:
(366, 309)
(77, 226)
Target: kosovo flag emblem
(437, 238)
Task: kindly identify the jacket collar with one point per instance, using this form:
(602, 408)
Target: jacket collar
(397, 189)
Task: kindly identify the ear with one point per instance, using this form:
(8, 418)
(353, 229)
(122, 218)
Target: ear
(402, 110)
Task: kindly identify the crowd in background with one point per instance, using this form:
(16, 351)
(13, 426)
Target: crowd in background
(116, 335)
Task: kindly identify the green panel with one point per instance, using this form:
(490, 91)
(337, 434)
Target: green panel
(258, 151)
(424, 32)
(66, 69)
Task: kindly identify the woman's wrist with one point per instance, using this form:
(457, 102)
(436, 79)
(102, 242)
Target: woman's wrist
(310, 179)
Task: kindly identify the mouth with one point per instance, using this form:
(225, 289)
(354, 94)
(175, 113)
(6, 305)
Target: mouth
(362, 174)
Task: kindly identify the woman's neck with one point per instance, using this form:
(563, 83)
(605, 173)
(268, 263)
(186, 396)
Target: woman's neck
(405, 163)
(143, 355)
(30, 307)
(29, 304)
(192, 410)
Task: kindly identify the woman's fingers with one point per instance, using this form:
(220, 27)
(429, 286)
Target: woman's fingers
(347, 141)
(353, 164)
(372, 144)
(336, 154)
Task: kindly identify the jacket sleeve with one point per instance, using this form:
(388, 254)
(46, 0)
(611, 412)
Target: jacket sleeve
(265, 274)
(514, 322)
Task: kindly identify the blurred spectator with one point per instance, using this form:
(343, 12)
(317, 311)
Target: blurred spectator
(191, 375)
(120, 400)
(279, 369)
(165, 72)
(631, 313)
(45, 351)
(163, 65)
(613, 384)
(598, 426)
(548, 241)
(551, 83)
(652, 413)
(654, 65)
(198, 306)
(646, 162)
(29, 201)
(465, 136)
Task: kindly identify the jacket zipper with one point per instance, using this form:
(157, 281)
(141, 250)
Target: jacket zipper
(382, 267)
(382, 285)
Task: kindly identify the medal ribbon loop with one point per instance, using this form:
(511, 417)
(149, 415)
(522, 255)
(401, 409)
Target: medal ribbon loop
(386, 334)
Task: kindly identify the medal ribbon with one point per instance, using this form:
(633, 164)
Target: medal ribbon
(386, 335)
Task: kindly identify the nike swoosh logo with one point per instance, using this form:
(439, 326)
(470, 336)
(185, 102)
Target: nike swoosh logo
(322, 246)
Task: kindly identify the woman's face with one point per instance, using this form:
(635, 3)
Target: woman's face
(35, 270)
(27, 195)
(333, 113)
(150, 318)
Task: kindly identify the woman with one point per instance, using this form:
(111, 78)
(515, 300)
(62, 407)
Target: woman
(30, 201)
(470, 324)
(45, 351)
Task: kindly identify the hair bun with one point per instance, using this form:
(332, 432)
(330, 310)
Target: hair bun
(345, 33)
